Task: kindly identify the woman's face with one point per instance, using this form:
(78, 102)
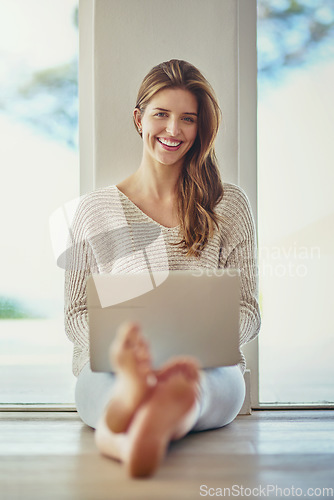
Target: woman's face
(169, 126)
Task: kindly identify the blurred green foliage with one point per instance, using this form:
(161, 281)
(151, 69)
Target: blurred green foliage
(48, 100)
(51, 102)
(294, 32)
(13, 309)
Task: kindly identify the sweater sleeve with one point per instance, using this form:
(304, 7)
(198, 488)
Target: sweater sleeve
(240, 258)
(80, 263)
(242, 255)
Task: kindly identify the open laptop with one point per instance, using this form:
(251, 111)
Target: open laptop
(180, 312)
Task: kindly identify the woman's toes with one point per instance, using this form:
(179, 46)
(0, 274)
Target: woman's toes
(128, 348)
(186, 366)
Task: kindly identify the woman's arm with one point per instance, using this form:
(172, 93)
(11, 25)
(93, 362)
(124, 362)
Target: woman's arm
(239, 251)
(243, 257)
(80, 263)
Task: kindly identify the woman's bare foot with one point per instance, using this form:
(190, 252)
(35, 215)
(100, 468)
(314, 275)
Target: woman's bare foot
(135, 377)
(160, 418)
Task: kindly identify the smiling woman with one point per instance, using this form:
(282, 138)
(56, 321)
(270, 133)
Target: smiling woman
(203, 224)
(176, 103)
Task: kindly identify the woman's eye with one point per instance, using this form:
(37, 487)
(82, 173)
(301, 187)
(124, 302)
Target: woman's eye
(189, 119)
(160, 114)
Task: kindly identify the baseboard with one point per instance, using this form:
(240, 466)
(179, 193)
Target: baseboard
(247, 407)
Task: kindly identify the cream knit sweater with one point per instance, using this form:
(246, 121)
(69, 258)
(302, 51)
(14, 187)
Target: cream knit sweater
(110, 234)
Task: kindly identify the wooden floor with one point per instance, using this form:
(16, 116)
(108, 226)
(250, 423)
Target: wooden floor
(52, 456)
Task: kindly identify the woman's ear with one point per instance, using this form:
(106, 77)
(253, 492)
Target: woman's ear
(137, 118)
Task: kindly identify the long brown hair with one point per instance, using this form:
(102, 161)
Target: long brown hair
(200, 187)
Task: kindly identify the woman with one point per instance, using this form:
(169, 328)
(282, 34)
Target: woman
(172, 213)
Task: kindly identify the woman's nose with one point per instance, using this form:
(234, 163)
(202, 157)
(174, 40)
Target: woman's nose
(172, 127)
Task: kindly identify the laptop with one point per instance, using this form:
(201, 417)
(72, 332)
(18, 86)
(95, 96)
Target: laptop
(180, 312)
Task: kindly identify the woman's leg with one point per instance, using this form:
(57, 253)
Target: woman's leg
(222, 393)
(141, 411)
(92, 393)
(152, 414)
(162, 417)
(175, 407)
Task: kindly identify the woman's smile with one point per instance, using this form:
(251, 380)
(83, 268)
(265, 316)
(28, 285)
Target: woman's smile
(169, 144)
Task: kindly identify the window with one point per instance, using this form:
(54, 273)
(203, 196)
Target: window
(39, 157)
(295, 200)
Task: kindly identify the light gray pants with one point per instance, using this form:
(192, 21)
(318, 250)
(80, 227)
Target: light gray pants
(222, 393)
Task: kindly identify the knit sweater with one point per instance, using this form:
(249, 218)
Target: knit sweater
(110, 234)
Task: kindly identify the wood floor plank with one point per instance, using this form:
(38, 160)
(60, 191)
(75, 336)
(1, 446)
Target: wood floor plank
(53, 456)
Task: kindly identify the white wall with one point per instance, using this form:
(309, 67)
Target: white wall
(127, 38)
(121, 40)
